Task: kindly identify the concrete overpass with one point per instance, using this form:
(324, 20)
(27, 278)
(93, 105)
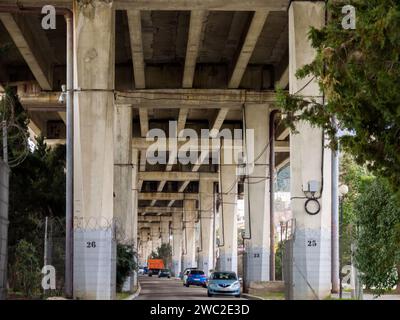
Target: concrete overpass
(212, 64)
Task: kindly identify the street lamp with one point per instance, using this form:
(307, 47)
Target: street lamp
(343, 190)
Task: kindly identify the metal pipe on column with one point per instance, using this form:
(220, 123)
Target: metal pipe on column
(335, 221)
(272, 194)
(70, 158)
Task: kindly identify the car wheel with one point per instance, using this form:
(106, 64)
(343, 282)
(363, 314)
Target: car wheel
(187, 285)
(169, 277)
(237, 296)
(209, 294)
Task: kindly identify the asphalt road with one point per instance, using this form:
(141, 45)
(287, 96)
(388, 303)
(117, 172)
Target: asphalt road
(154, 288)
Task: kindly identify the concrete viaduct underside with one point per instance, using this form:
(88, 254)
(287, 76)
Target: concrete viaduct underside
(137, 66)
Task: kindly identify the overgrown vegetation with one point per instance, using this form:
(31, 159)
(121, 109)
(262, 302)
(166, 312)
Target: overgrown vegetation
(126, 263)
(27, 271)
(37, 190)
(359, 73)
(371, 220)
(378, 237)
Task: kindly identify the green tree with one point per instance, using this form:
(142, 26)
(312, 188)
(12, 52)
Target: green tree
(37, 183)
(163, 252)
(378, 237)
(359, 73)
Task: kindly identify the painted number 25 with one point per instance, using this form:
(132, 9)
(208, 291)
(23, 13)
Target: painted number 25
(312, 243)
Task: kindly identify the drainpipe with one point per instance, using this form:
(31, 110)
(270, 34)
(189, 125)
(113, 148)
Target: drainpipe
(67, 13)
(335, 219)
(272, 194)
(70, 160)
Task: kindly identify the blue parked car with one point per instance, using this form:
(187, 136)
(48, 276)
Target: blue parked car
(194, 277)
(223, 283)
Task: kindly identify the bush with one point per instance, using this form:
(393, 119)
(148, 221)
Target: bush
(27, 270)
(125, 263)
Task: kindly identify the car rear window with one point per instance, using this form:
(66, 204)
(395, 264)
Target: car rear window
(224, 276)
(196, 272)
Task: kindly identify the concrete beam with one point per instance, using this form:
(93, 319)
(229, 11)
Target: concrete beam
(177, 176)
(282, 132)
(282, 146)
(63, 116)
(181, 188)
(176, 5)
(218, 121)
(283, 81)
(144, 121)
(256, 26)
(24, 39)
(179, 5)
(135, 31)
(167, 196)
(194, 98)
(282, 164)
(162, 210)
(183, 113)
(150, 219)
(196, 29)
(170, 98)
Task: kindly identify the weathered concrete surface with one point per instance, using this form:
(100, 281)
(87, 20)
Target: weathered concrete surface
(206, 254)
(257, 209)
(94, 154)
(309, 160)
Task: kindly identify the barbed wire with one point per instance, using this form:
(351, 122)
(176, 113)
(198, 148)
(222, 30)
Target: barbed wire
(9, 123)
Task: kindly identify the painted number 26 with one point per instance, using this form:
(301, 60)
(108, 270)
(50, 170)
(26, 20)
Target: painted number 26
(91, 244)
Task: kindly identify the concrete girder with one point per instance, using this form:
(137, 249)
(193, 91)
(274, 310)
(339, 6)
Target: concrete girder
(194, 98)
(196, 30)
(38, 60)
(256, 26)
(144, 121)
(177, 5)
(167, 196)
(135, 31)
(177, 176)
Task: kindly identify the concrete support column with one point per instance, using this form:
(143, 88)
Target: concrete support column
(145, 245)
(123, 205)
(155, 235)
(309, 161)
(256, 202)
(176, 243)
(94, 243)
(135, 197)
(228, 213)
(164, 228)
(206, 254)
(189, 217)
